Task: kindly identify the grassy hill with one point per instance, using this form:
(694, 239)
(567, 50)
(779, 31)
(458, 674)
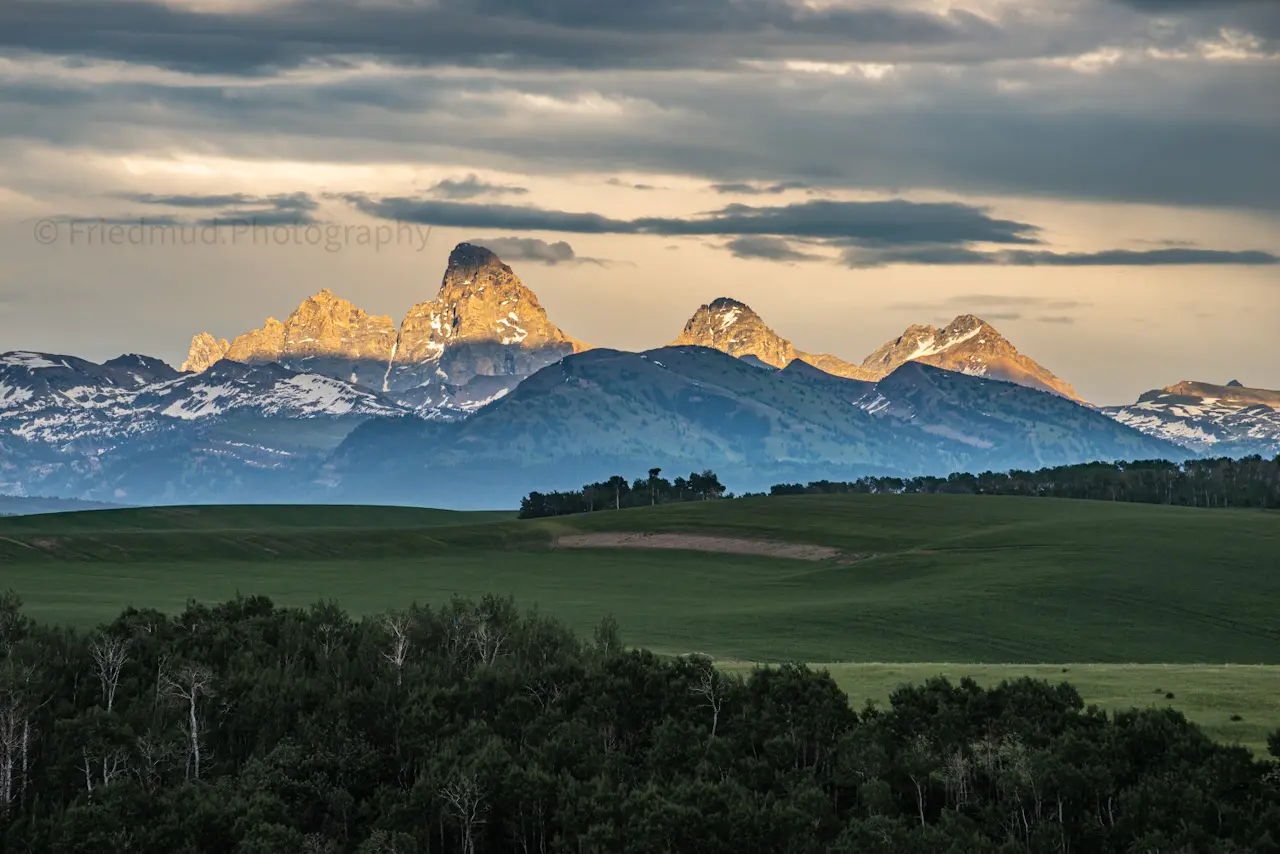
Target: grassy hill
(922, 578)
(1131, 603)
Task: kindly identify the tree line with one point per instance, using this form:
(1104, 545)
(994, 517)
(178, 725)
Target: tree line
(1225, 482)
(471, 727)
(616, 493)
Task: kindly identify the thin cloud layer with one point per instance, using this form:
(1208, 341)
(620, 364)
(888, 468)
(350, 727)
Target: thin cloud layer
(960, 256)
(512, 249)
(768, 249)
(471, 187)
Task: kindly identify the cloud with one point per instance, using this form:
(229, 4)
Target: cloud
(226, 210)
(769, 249)
(283, 201)
(759, 189)
(894, 222)
(1056, 318)
(960, 256)
(618, 182)
(535, 250)
(472, 186)
(509, 33)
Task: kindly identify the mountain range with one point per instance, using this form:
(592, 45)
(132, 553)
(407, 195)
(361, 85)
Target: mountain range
(476, 397)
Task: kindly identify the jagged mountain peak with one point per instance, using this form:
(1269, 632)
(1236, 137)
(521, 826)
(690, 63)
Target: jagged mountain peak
(968, 345)
(727, 304)
(472, 256)
(731, 326)
(484, 321)
(1235, 384)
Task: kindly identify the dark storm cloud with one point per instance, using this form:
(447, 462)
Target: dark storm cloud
(1190, 135)
(959, 256)
(603, 33)
(865, 224)
(768, 249)
(532, 249)
(471, 186)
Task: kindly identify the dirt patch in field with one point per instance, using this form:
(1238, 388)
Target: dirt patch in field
(697, 543)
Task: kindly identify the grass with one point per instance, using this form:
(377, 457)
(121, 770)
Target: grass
(954, 578)
(1211, 696)
(1153, 600)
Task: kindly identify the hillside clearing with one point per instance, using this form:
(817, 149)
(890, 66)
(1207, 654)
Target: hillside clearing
(696, 543)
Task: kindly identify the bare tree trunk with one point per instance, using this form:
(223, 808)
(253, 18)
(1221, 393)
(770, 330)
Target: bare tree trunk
(397, 625)
(109, 656)
(188, 686)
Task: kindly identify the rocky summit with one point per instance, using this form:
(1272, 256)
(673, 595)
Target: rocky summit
(732, 327)
(483, 322)
(967, 345)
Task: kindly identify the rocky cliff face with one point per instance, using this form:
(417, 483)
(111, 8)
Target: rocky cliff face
(483, 322)
(732, 327)
(968, 345)
(205, 352)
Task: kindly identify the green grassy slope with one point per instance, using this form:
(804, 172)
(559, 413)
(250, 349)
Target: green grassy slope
(953, 578)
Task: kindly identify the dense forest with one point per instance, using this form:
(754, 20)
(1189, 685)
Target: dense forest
(471, 728)
(1225, 482)
(616, 493)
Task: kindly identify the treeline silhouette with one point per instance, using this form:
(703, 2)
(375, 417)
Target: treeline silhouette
(471, 728)
(1248, 482)
(616, 493)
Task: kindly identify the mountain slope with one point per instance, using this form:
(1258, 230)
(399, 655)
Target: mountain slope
(604, 411)
(1007, 425)
(967, 345)
(732, 327)
(1226, 420)
(135, 429)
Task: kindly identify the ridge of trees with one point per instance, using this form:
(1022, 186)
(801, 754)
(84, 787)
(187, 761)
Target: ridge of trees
(471, 727)
(1225, 482)
(616, 493)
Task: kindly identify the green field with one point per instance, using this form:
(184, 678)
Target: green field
(981, 581)
(949, 578)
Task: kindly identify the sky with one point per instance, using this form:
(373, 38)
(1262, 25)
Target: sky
(1099, 179)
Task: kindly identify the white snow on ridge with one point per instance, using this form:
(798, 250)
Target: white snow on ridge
(24, 359)
(931, 347)
(312, 394)
(202, 403)
(729, 317)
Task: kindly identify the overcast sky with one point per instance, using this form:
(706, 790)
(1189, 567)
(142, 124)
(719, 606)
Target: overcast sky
(1099, 179)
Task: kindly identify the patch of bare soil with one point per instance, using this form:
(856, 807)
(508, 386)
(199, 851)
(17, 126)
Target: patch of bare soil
(696, 542)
